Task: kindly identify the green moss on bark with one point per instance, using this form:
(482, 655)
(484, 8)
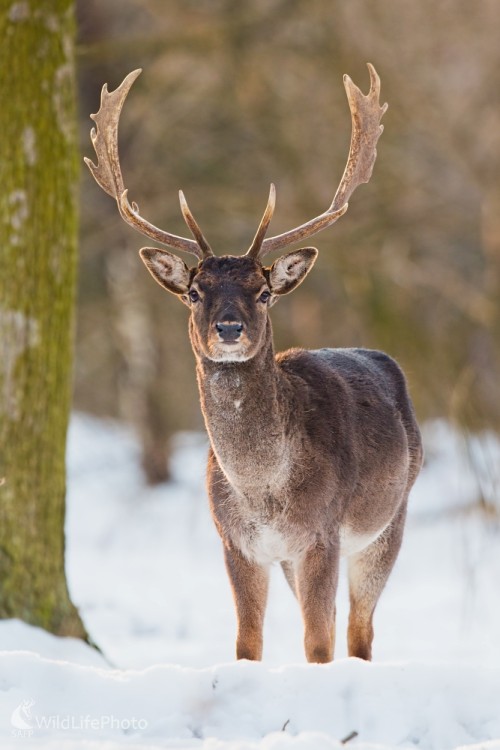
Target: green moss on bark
(38, 230)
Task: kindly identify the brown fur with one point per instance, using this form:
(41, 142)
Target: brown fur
(313, 453)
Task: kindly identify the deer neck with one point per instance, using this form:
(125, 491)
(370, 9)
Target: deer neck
(247, 418)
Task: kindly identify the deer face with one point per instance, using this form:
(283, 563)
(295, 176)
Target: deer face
(228, 297)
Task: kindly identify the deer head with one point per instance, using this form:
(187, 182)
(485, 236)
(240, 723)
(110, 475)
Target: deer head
(229, 296)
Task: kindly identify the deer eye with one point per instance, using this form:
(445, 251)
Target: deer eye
(193, 295)
(264, 296)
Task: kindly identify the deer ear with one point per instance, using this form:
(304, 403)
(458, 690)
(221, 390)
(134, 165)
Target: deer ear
(290, 270)
(167, 269)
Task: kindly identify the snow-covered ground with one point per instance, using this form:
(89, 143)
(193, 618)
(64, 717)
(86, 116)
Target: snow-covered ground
(145, 567)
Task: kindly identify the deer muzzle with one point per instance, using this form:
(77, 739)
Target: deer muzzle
(229, 332)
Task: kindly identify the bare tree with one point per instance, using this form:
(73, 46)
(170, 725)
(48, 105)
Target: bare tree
(38, 225)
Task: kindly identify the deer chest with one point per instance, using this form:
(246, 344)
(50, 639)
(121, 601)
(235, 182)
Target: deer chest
(265, 544)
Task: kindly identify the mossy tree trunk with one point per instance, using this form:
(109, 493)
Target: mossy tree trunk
(38, 226)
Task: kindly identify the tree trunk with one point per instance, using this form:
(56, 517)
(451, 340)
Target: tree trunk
(38, 225)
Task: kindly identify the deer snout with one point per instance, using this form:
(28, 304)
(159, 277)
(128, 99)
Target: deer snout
(229, 331)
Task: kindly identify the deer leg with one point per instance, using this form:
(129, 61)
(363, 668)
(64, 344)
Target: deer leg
(249, 583)
(368, 574)
(317, 576)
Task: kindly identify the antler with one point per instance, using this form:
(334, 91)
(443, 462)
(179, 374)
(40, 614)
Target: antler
(366, 114)
(108, 174)
(256, 245)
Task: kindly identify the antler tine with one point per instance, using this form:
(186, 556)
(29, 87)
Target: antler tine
(366, 130)
(366, 114)
(193, 226)
(107, 173)
(256, 245)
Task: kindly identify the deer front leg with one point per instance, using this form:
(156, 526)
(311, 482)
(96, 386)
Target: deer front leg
(249, 583)
(317, 577)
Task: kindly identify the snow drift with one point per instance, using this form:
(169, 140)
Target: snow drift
(145, 567)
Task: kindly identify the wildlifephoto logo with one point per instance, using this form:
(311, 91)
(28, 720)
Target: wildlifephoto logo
(26, 722)
(22, 720)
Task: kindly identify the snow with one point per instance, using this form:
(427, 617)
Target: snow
(428, 705)
(145, 568)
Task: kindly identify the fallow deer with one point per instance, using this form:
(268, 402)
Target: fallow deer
(313, 453)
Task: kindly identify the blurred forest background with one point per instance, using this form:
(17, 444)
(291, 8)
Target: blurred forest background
(236, 95)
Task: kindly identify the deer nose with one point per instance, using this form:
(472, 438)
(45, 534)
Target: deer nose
(229, 331)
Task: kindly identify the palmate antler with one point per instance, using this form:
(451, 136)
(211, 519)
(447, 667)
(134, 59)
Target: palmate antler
(366, 114)
(108, 174)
